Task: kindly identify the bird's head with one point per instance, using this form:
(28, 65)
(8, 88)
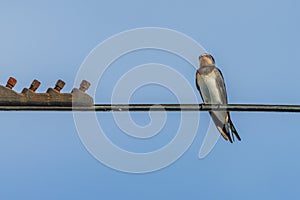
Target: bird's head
(206, 59)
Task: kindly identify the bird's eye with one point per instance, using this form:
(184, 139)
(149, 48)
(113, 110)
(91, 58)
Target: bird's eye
(203, 55)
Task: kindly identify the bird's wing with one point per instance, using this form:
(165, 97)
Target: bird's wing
(196, 79)
(221, 85)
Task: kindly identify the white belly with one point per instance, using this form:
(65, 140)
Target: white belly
(211, 95)
(209, 90)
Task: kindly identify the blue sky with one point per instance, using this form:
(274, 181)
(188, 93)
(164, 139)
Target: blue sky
(256, 46)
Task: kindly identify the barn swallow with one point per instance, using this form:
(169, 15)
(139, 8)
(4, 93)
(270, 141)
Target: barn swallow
(210, 83)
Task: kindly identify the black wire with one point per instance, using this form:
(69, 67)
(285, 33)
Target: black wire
(158, 107)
